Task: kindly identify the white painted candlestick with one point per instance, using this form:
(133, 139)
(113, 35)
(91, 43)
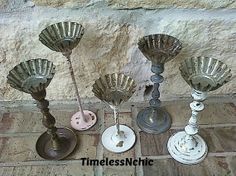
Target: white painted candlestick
(118, 138)
(187, 146)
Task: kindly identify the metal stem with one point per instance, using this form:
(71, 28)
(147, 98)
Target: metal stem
(48, 120)
(67, 55)
(156, 79)
(116, 116)
(192, 128)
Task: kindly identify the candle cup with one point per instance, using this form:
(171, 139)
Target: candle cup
(159, 49)
(114, 89)
(33, 76)
(64, 37)
(203, 74)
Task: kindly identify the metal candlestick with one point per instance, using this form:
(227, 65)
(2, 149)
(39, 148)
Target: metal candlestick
(203, 74)
(33, 76)
(64, 37)
(159, 49)
(114, 89)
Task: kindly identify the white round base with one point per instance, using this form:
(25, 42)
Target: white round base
(79, 124)
(178, 149)
(118, 143)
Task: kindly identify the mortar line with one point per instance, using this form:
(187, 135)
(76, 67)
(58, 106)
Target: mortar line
(210, 154)
(30, 105)
(138, 169)
(40, 163)
(205, 126)
(167, 13)
(27, 134)
(98, 170)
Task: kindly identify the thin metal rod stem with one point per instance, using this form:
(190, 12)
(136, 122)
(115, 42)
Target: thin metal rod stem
(76, 87)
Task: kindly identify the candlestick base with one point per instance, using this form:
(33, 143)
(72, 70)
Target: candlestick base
(81, 125)
(118, 143)
(180, 150)
(153, 121)
(67, 143)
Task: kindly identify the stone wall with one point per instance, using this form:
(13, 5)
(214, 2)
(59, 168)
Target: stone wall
(112, 29)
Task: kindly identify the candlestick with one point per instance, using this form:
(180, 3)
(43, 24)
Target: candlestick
(33, 76)
(64, 37)
(114, 89)
(159, 49)
(203, 74)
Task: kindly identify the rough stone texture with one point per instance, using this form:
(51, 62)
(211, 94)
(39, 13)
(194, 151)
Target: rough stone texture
(65, 3)
(110, 45)
(146, 4)
(152, 4)
(15, 5)
(3, 4)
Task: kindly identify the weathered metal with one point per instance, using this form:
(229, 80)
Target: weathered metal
(64, 37)
(203, 74)
(159, 49)
(33, 77)
(114, 89)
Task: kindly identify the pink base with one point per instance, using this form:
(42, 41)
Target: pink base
(78, 124)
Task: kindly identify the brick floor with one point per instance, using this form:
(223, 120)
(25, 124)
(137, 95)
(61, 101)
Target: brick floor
(20, 128)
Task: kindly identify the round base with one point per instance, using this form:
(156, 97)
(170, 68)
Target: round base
(152, 122)
(68, 141)
(78, 124)
(118, 144)
(178, 150)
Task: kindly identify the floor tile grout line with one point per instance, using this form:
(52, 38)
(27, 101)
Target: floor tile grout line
(203, 126)
(138, 169)
(29, 105)
(40, 163)
(25, 134)
(98, 170)
(210, 154)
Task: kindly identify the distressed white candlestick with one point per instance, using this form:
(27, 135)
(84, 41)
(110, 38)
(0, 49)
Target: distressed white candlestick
(187, 146)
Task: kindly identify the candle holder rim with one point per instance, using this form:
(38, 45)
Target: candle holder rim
(160, 51)
(188, 77)
(28, 74)
(57, 23)
(52, 44)
(160, 34)
(98, 90)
